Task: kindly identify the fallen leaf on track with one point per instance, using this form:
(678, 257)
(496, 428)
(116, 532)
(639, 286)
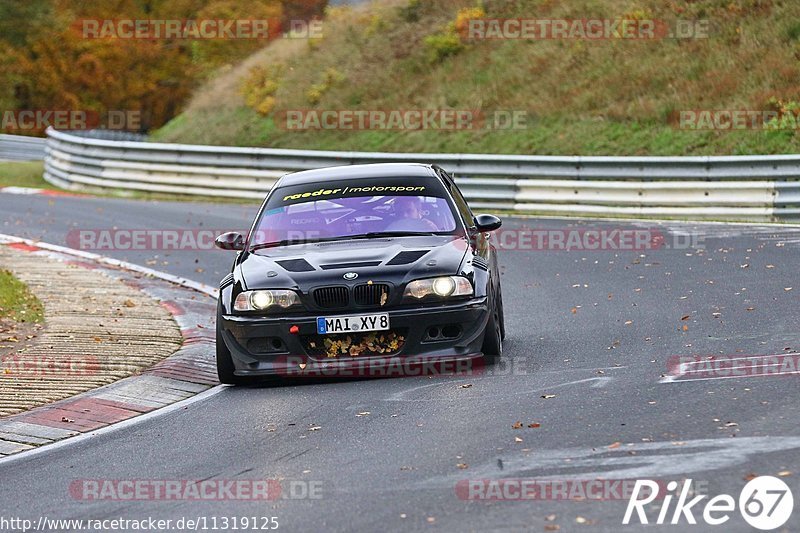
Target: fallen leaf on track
(614, 446)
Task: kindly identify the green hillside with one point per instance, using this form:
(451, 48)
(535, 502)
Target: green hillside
(589, 97)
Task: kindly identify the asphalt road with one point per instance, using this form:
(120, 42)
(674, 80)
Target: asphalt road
(593, 331)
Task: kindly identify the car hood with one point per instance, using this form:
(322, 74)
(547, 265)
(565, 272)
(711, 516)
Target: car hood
(396, 260)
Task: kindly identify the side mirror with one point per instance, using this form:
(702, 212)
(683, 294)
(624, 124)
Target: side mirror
(486, 223)
(230, 241)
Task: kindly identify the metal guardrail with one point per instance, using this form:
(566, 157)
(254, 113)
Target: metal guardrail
(21, 148)
(755, 188)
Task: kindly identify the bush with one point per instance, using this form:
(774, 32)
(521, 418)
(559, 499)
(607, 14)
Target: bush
(260, 86)
(318, 90)
(464, 16)
(410, 12)
(450, 41)
(443, 45)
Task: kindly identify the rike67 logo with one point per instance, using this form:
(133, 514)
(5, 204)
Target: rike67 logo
(765, 503)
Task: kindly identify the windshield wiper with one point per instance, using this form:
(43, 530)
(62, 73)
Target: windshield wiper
(285, 242)
(380, 234)
(370, 235)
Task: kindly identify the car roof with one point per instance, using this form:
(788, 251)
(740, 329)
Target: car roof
(354, 172)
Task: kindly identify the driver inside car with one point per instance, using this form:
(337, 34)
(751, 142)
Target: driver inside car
(408, 216)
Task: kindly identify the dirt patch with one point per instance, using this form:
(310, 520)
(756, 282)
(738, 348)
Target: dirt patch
(15, 338)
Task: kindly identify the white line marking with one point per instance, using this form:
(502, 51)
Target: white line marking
(20, 190)
(600, 381)
(69, 441)
(767, 361)
(678, 379)
(653, 460)
(743, 358)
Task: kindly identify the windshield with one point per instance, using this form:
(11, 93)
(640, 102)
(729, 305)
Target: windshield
(343, 218)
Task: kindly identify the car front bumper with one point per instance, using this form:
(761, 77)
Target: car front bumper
(264, 346)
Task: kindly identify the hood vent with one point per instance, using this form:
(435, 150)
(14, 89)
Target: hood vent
(351, 265)
(296, 265)
(405, 258)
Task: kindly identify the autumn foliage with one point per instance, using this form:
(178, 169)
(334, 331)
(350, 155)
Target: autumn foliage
(46, 61)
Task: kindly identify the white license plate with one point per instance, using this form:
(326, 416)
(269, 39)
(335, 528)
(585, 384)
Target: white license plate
(352, 324)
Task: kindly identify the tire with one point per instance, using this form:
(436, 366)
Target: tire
(493, 335)
(502, 314)
(225, 366)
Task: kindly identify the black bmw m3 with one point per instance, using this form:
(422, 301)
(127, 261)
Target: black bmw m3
(355, 267)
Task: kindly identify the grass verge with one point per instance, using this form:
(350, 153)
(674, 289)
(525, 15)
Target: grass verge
(23, 174)
(17, 303)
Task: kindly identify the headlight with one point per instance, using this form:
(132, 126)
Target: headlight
(443, 287)
(266, 299)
